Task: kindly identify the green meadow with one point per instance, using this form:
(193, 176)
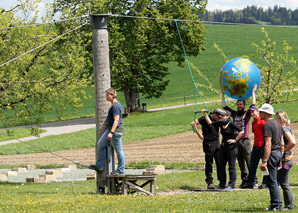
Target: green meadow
(80, 197)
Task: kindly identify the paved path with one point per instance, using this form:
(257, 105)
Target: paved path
(57, 128)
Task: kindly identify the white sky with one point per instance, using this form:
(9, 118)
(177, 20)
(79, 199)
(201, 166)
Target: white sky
(212, 4)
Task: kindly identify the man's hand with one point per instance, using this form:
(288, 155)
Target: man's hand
(263, 166)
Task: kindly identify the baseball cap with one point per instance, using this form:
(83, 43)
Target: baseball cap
(267, 108)
(227, 113)
(253, 108)
(219, 111)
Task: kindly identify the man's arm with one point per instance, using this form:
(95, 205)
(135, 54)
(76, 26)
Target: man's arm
(194, 126)
(223, 100)
(253, 96)
(267, 151)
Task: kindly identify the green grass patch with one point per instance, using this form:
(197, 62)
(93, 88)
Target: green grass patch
(11, 134)
(176, 165)
(80, 197)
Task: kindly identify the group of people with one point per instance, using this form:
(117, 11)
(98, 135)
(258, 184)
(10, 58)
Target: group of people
(273, 142)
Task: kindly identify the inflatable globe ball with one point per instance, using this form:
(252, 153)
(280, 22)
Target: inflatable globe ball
(237, 78)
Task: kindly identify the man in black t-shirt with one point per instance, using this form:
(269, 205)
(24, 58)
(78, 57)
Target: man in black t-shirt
(210, 137)
(273, 149)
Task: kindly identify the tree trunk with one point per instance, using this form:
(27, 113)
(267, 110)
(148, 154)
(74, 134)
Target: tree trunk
(132, 99)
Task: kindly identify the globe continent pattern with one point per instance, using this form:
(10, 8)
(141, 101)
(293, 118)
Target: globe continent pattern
(237, 78)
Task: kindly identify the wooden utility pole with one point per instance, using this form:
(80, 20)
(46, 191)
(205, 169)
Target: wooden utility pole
(102, 82)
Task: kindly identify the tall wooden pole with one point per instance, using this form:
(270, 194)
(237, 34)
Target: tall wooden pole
(102, 82)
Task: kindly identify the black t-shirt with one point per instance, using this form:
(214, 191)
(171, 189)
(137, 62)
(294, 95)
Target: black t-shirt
(274, 130)
(228, 132)
(210, 131)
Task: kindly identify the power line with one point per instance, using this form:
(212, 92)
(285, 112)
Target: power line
(42, 45)
(39, 24)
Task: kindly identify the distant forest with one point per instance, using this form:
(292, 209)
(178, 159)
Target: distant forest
(254, 15)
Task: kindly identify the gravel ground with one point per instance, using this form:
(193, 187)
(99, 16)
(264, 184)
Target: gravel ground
(73, 175)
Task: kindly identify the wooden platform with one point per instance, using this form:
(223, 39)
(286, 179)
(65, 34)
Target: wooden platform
(124, 184)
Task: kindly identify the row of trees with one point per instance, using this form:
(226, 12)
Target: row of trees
(254, 15)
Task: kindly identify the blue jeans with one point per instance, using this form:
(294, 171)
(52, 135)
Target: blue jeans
(256, 155)
(283, 178)
(272, 165)
(117, 145)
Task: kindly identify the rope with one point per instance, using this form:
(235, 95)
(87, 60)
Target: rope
(42, 45)
(45, 150)
(38, 24)
(192, 78)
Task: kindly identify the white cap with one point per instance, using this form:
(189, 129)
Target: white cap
(267, 108)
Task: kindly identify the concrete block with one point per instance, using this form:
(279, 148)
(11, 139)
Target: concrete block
(56, 172)
(3, 177)
(48, 178)
(72, 167)
(34, 180)
(30, 167)
(20, 170)
(65, 170)
(157, 169)
(149, 173)
(10, 173)
(91, 177)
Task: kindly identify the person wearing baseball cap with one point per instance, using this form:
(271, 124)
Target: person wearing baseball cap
(228, 149)
(257, 150)
(272, 155)
(210, 138)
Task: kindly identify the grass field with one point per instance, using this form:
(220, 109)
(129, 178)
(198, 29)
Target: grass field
(81, 197)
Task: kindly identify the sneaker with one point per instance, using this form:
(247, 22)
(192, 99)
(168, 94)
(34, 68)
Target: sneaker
(93, 167)
(219, 188)
(229, 188)
(210, 186)
(256, 185)
(262, 186)
(117, 173)
(270, 208)
(246, 186)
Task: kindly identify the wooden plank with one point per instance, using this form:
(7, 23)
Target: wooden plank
(138, 188)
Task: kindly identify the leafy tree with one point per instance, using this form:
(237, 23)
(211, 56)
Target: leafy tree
(141, 48)
(279, 72)
(45, 78)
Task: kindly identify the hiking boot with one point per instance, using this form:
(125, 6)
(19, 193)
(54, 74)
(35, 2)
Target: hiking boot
(262, 186)
(246, 186)
(117, 173)
(93, 167)
(210, 186)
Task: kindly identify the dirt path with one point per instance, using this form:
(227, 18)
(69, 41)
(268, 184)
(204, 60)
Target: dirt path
(185, 147)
